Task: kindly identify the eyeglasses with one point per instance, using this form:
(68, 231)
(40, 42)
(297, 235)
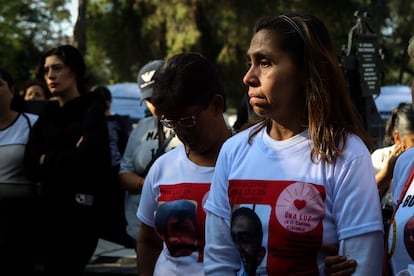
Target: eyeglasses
(185, 122)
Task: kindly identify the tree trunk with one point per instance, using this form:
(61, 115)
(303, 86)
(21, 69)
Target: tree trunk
(79, 32)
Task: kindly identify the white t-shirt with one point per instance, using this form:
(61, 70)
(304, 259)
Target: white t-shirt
(301, 204)
(379, 159)
(174, 177)
(13, 140)
(400, 238)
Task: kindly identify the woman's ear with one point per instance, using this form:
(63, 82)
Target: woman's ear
(218, 103)
(397, 137)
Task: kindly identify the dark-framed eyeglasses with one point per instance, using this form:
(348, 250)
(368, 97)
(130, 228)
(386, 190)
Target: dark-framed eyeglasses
(184, 122)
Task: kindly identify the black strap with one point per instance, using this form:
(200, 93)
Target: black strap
(162, 144)
(161, 134)
(27, 119)
(386, 270)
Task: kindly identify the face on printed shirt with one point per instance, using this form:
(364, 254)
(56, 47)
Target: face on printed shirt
(175, 223)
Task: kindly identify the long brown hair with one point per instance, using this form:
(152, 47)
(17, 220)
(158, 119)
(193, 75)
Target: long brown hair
(329, 111)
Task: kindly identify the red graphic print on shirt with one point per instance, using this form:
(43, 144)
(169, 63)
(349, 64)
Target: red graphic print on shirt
(194, 192)
(291, 214)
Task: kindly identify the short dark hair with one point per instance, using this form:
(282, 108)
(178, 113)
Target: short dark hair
(185, 80)
(181, 209)
(103, 91)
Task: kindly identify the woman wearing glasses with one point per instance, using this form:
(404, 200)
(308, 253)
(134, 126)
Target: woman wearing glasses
(188, 97)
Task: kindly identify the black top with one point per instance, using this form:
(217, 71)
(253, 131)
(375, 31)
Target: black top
(69, 171)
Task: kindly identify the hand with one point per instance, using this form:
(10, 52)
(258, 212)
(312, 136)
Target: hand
(336, 265)
(398, 149)
(339, 266)
(392, 158)
(140, 184)
(79, 142)
(42, 159)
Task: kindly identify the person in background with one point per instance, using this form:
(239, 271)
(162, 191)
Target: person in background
(118, 131)
(399, 256)
(36, 90)
(18, 196)
(148, 140)
(68, 153)
(35, 95)
(305, 170)
(399, 241)
(399, 136)
(189, 98)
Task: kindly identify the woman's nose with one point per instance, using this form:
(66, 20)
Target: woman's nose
(250, 78)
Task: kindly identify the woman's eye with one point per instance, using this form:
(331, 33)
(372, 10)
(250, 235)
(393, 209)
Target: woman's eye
(264, 63)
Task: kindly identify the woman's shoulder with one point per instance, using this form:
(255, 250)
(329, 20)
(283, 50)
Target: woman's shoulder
(355, 148)
(354, 141)
(146, 123)
(406, 159)
(402, 170)
(384, 149)
(240, 139)
(172, 158)
(31, 117)
(239, 136)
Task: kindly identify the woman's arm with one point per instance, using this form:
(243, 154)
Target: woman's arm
(367, 250)
(221, 257)
(131, 182)
(384, 176)
(339, 266)
(149, 247)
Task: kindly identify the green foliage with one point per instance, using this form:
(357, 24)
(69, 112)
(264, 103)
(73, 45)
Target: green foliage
(122, 35)
(26, 32)
(400, 21)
